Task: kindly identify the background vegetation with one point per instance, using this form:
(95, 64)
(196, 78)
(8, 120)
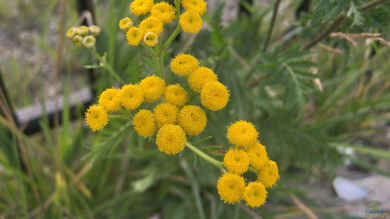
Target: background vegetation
(308, 91)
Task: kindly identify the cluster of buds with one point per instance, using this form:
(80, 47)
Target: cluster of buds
(83, 35)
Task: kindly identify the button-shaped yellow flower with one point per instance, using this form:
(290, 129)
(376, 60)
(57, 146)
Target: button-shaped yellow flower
(131, 96)
(269, 174)
(163, 11)
(89, 41)
(200, 77)
(71, 32)
(110, 100)
(153, 87)
(184, 64)
(96, 117)
(94, 30)
(171, 139)
(151, 24)
(258, 156)
(144, 123)
(242, 133)
(255, 194)
(165, 113)
(176, 95)
(125, 23)
(231, 188)
(195, 5)
(214, 96)
(236, 161)
(134, 36)
(193, 119)
(191, 22)
(77, 40)
(83, 30)
(150, 39)
(141, 7)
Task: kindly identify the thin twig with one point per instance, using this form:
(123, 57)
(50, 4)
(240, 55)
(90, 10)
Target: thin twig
(271, 27)
(337, 23)
(303, 207)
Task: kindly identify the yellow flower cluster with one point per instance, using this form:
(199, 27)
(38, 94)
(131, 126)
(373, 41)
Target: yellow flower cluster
(170, 118)
(158, 14)
(83, 35)
(246, 152)
(213, 94)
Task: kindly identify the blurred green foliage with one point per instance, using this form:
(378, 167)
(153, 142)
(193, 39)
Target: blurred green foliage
(73, 173)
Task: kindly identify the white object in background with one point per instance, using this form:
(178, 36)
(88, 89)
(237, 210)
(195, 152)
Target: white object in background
(348, 190)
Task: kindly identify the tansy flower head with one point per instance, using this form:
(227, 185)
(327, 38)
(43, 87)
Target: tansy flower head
(141, 7)
(125, 23)
(150, 39)
(193, 119)
(94, 30)
(153, 87)
(195, 5)
(242, 133)
(176, 94)
(134, 36)
(231, 187)
(110, 99)
(200, 77)
(214, 96)
(236, 161)
(171, 139)
(82, 30)
(163, 11)
(144, 123)
(269, 173)
(257, 155)
(190, 21)
(165, 113)
(96, 117)
(255, 194)
(184, 64)
(89, 41)
(131, 96)
(77, 40)
(151, 24)
(71, 32)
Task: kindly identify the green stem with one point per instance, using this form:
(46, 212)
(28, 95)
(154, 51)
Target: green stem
(206, 157)
(107, 66)
(176, 31)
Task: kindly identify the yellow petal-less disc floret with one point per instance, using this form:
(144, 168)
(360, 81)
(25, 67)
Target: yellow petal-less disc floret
(96, 117)
(141, 7)
(268, 174)
(258, 156)
(82, 30)
(163, 11)
(94, 30)
(171, 139)
(242, 133)
(184, 64)
(255, 194)
(176, 95)
(190, 22)
(89, 41)
(134, 36)
(151, 24)
(231, 188)
(193, 119)
(153, 87)
(165, 113)
(131, 96)
(200, 77)
(77, 40)
(150, 39)
(195, 5)
(144, 123)
(214, 96)
(125, 23)
(110, 100)
(71, 32)
(236, 161)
